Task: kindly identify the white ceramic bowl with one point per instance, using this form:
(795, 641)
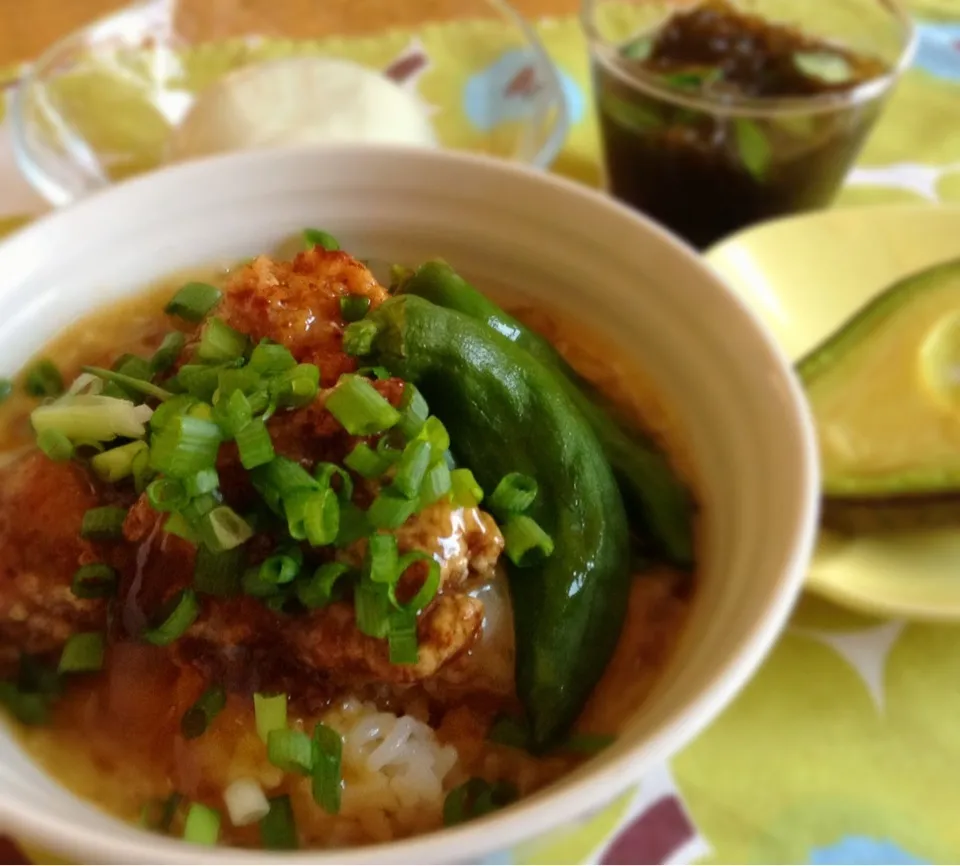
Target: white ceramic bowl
(505, 225)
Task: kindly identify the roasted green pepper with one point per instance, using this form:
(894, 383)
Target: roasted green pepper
(655, 497)
(506, 412)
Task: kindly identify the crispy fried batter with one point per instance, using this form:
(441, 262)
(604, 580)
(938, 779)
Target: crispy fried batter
(329, 639)
(298, 304)
(42, 504)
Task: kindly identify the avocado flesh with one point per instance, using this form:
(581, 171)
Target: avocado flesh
(885, 392)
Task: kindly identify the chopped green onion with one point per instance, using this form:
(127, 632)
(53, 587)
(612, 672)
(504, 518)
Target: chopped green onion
(587, 744)
(218, 572)
(358, 337)
(380, 373)
(82, 653)
(437, 483)
(241, 379)
(296, 388)
(245, 802)
(223, 529)
(372, 608)
(159, 814)
(525, 542)
(182, 404)
(193, 301)
(324, 473)
(509, 731)
(270, 712)
(204, 481)
(390, 509)
(55, 445)
(6, 389)
(167, 495)
(436, 434)
(319, 238)
(268, 358)
(140, 469)
(184, 446)
(313, 515)
(428, 589)
(177, 524)
(278, 831)
(135, 368)
(402, 638)
(475, 798)
(366, 462)
(130, 383)
(327, 773)
(354, 525)
(232, 412)
(467, 493)
(382, 559)
(199, 380)
(92, 417)
(201, 505)
(278, 479)
(44, 379)
(167, 352)
(387, 448)
(202, 825)
(219, 342)
(414, 411)
(103, 524)
(255, 445)
(94, 580)
(324, 588)
(253, 584)
(27, 707)
(412, 468)
(118, 463)
(515, 493)
(282, 567)
(354, 307)
(176, 616)
(291, 751)
(196, 720)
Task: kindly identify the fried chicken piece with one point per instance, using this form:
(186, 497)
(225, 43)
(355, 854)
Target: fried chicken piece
(330, 639)
(297, 304)
(42, 504)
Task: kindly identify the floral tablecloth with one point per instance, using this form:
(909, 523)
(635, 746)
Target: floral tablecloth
(842, 749)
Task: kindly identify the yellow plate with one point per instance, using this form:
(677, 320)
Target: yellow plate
(804, 276)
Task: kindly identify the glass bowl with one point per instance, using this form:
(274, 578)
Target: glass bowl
(101, 104)
(708, 163)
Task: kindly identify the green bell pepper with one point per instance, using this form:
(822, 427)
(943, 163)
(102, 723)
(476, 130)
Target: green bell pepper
(506, 412)
(655, 497)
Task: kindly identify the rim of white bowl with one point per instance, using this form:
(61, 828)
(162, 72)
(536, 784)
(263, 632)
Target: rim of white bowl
(599, 785)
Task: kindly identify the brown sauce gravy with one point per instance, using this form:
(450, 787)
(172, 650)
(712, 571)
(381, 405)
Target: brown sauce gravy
(115, 738)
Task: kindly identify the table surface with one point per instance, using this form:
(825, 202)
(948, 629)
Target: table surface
(27, 27)
(844, 747)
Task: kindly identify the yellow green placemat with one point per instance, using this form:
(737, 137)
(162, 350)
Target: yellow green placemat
(842, 749)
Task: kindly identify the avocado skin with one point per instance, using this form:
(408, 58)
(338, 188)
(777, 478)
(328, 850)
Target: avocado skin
(819, 362)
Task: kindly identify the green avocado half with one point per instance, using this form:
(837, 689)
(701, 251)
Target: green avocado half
(885, 392)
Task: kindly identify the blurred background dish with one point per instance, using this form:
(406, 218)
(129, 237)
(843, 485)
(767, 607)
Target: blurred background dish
(804, 276)
(719, 114)
(106, 102)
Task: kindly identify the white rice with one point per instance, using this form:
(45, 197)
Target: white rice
(395, 770)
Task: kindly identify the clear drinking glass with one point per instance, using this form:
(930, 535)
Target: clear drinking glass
(103, 103)
(705, 164)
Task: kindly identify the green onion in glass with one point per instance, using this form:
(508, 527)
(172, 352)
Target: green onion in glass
(103, 524)
(82, 653)
(95, 580)
(198, 717)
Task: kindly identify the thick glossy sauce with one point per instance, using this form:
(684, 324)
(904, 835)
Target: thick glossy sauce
(115, 737)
